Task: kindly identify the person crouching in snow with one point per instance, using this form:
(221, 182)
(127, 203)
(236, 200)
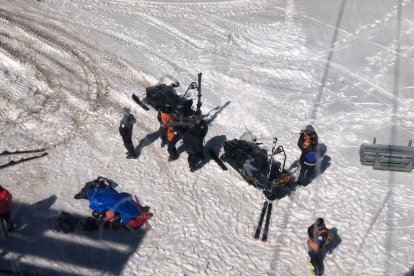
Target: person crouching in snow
(319, 238)
(5, 202)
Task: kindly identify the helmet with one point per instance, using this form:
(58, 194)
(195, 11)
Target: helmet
(319, 223)
(309, 129)
(126, 110)
(167, 108)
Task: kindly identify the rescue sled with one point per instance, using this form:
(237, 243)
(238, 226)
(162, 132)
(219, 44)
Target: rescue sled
(271, 176)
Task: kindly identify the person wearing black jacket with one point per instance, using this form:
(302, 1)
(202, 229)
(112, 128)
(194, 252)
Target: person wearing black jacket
(193, 141)
(125, 129)
(319, 237)
(308, 142)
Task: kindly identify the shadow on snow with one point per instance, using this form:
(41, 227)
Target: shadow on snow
(35, 236)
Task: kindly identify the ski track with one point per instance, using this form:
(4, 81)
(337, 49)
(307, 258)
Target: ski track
(80, 71)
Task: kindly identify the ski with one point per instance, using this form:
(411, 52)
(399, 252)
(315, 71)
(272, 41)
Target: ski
(259, 226)
(14, 162)
(266, 229)
(6, 152)
(214, 156)
(139, 102)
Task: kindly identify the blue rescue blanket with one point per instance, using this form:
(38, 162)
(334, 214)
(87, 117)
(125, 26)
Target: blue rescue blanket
(101, 199)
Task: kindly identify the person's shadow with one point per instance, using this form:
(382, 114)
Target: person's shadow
(324, 161)
(147, 140)
(215, 144)
(330, 247)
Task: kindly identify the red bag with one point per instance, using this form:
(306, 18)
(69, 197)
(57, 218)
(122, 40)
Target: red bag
(5, 201)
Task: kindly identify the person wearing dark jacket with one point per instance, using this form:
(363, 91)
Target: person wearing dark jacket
(193, 141)
(5, 202)
(125, 129)
(308, 142)
(319, 237)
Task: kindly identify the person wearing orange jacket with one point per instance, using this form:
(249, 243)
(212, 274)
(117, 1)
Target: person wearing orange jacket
(308, 141)
(5, 202)
(168, 134)
(164, 117)
(319, 237)
(172, 138)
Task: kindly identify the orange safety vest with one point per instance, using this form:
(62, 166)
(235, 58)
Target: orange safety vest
(165, 118)
(306, 139)
(170, 133)
(315, 245)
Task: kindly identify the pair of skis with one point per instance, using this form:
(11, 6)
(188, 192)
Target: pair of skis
(267, 206)
(15, 162)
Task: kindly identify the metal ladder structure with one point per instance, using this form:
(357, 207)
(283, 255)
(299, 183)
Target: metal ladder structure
(387, 157)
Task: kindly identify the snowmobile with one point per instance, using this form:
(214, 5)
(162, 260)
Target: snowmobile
(164, 93)
(112, 208)
(270, 176)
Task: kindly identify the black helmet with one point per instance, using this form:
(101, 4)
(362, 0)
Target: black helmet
(167, 108)
(319, 223)
(309, 129)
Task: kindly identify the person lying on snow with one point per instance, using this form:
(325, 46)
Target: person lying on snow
(113, 208)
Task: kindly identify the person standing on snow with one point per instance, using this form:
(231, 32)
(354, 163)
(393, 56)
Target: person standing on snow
(319, 237)
(172, 138)
(125, 129)
(164, 117)
(193, 141)
(5, 202)
(308, 141)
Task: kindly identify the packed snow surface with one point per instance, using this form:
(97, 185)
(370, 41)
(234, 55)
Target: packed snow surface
(68, 67)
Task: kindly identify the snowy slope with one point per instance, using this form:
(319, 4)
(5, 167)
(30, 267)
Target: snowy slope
(67, 68)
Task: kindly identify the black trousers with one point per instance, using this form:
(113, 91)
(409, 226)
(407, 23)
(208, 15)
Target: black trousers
(195, 156)
(172, 150)
(8, 221)
(316, 259)
(163, 135)
(305, 173)
(129, 145)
